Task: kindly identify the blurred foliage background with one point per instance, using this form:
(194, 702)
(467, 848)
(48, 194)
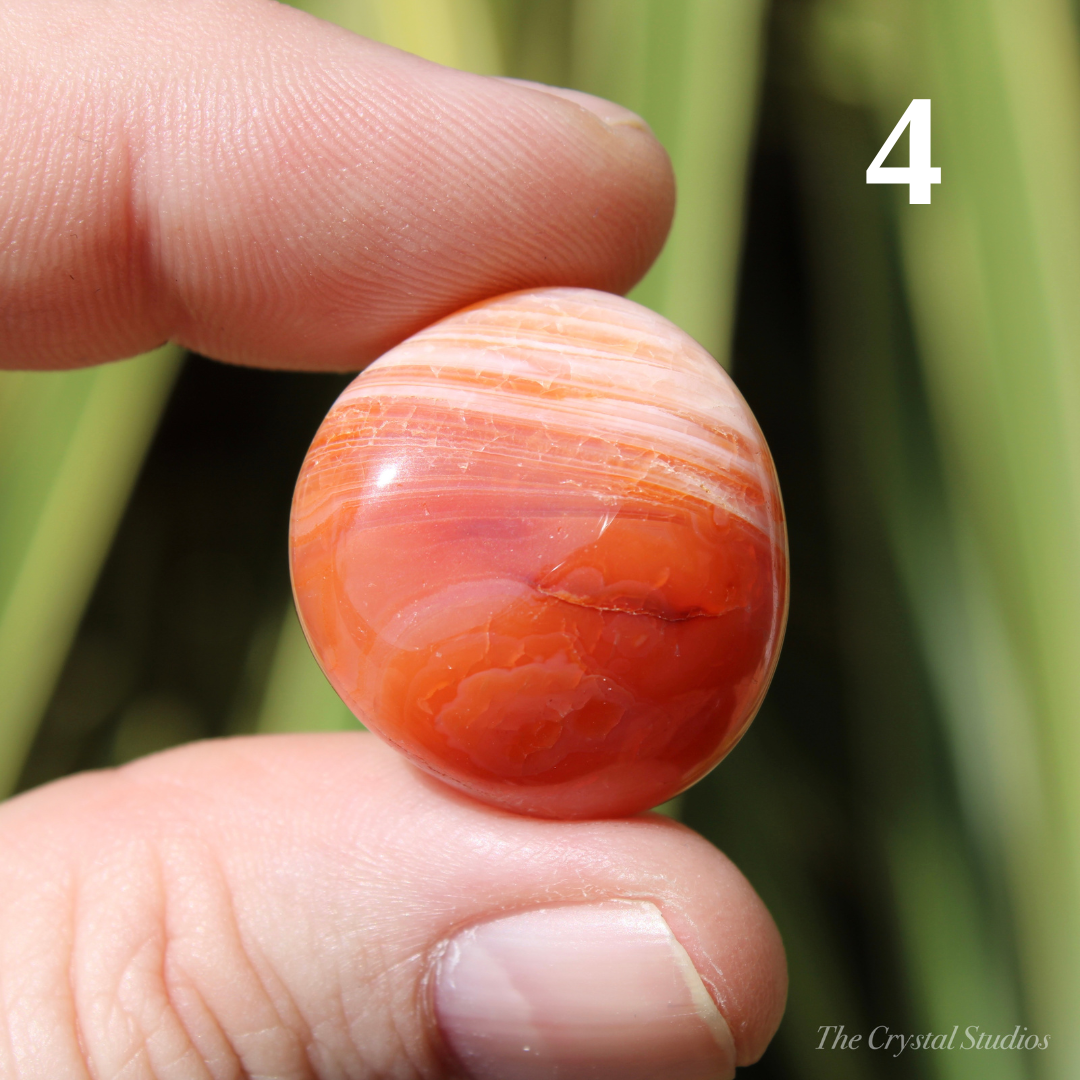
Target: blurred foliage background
(908, 801)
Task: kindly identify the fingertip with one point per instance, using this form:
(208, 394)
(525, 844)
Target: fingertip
(612, 114)
(731, 938)
(355, 792)
(638, 158)
(300, 197)
(599, 990)
(395, 916)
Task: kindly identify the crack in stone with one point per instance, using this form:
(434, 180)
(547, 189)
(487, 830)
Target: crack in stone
(598, 606)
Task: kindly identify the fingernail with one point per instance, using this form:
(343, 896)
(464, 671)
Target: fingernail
(581, 990)
(612, 114)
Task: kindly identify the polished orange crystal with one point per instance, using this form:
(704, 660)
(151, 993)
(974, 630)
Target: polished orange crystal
(540, 548)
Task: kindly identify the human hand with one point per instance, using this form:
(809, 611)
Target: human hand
(270, 190)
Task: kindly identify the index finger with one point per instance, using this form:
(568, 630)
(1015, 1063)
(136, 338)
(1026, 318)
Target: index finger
(268, 189)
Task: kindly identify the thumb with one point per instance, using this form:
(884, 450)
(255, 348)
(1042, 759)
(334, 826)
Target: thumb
(310, 906)
(266, 188)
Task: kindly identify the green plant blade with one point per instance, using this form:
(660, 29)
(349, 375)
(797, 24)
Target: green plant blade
(691, 68)
(70, 451)
(456, 33)
(298, 696)
(992, 273)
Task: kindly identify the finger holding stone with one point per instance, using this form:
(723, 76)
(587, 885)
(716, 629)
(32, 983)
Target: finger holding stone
(312, 905)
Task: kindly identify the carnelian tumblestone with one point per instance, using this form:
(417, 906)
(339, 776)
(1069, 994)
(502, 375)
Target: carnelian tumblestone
(539, 547)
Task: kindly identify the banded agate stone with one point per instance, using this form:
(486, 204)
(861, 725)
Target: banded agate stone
(540, 548)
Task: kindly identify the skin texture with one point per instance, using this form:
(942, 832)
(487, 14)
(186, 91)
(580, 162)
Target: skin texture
(272, 191)
(269, 189)
(274, 906)
(540, 547)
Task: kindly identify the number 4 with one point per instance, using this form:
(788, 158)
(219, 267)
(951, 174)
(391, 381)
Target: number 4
(918, 175)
